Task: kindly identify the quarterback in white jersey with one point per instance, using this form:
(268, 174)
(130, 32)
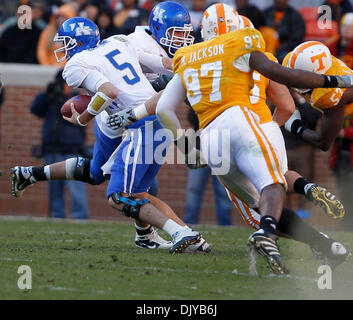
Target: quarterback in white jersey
(116, 64)
(114, 60)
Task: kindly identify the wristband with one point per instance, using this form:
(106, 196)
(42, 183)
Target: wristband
(140, 112)
(330, 82)
(98, 103)
(79, 122)
(297, 127)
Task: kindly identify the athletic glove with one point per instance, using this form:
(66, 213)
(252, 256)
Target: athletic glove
(294, 124)
(121, 119)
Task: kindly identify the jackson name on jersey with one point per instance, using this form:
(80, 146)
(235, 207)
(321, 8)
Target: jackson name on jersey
(213, 75)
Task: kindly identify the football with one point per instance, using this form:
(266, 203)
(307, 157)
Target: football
(80, 103)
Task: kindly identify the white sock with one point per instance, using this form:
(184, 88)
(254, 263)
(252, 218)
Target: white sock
(47, 172)
(171, 227)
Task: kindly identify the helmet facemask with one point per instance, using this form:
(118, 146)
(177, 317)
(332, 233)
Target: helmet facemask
(68, 44)
(173, 41)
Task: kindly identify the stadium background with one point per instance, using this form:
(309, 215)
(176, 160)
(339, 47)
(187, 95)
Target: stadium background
(20, 130)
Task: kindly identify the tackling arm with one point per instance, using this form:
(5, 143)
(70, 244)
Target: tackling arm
(331, 124)
(282, 99)
(154, 63)
(296, 78)
(173, 95)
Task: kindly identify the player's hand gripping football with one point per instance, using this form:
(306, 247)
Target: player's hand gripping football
(121, 119)
(74, 117)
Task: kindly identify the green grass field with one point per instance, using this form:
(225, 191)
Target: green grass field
(99, 260)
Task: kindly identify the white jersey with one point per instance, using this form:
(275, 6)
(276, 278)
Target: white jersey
(143, 41)
(116, 61)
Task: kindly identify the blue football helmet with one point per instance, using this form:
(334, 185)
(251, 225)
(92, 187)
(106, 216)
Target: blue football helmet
(170, 23)
(76, 34)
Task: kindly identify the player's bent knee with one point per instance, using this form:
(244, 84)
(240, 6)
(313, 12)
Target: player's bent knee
(129, 206)
(79, 169)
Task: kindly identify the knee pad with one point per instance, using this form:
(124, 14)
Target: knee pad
(131, 207)
(79, 169)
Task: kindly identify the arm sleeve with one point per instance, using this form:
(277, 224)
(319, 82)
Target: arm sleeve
(81, 71)
(93, 80)
(77, 69)
(173, 95)
(152, 63)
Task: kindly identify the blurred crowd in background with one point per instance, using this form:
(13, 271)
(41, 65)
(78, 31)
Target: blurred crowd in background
(283, 26)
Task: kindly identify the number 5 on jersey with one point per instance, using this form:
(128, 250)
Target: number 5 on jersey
(192, 82)
(132, 80)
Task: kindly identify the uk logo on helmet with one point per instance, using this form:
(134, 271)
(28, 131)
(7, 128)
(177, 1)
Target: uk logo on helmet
(81, 29)
(158, 14)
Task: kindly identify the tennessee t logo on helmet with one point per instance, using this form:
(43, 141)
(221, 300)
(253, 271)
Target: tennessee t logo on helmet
(319, 57)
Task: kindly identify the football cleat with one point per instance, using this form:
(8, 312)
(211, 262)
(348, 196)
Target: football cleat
(152, 240)
(200, 246)
(266, 246)
(183, 239)
(333, 255)
(325, 199)
(21, 177)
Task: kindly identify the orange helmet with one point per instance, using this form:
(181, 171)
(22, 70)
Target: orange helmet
(219, 19)
(245, 22)
(311, 56)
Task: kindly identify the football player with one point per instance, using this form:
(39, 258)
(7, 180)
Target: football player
(216, 76)
(290, 224)
(334, 103)
(278, 93)
(281, 97)
(112, 72)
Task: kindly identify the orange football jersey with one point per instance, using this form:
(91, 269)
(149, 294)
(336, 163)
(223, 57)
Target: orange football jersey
(209, 76)
(324, 98)
(258, 94)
